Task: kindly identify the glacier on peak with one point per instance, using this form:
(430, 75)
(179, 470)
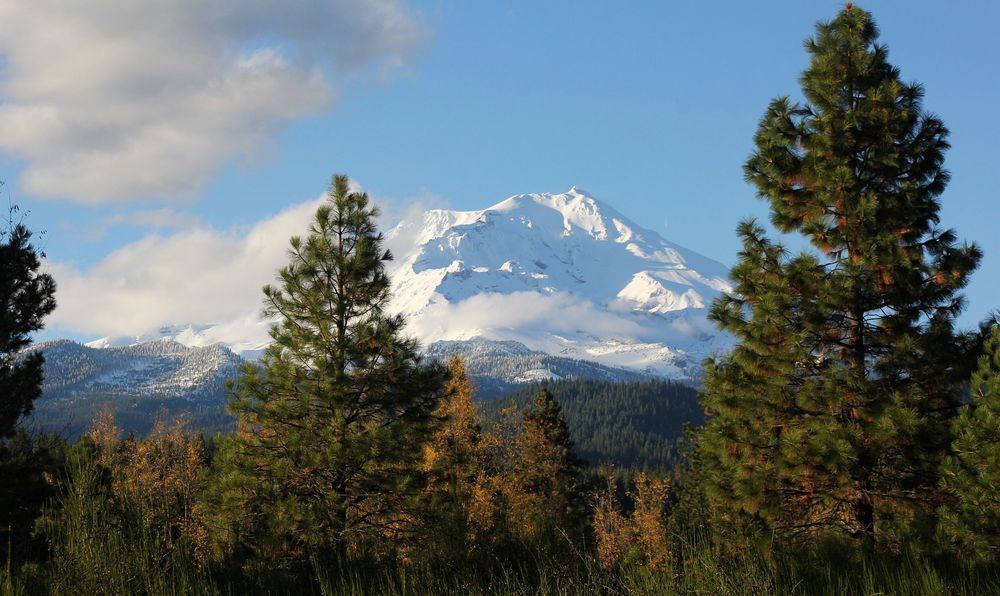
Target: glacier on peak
(562, 273)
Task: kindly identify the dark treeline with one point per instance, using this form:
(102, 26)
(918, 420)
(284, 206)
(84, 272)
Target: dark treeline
(71, 418)
(635, 425)
(849, 444)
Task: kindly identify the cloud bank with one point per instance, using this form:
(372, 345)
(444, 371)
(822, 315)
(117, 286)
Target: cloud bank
(194, 276)
(114, 100)
(197, 276)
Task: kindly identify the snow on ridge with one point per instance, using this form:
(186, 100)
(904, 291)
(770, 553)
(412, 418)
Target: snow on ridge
(245, 338)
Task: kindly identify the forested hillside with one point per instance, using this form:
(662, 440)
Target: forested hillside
(636, 424)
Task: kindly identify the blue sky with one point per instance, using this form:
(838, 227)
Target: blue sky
(650, 106)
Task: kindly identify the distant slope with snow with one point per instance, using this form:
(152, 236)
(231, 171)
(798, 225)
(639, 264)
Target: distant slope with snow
(500, 367)
(136, 381)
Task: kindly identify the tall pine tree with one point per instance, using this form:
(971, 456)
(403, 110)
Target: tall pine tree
(971, 475)
(26, 297)
(332, 423)
(833, 410)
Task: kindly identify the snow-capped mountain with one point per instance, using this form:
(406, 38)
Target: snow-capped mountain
(562, 274)
(163, 368)
(248, 344)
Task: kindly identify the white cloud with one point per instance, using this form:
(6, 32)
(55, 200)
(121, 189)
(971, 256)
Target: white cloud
(117, 99)
(195, 276)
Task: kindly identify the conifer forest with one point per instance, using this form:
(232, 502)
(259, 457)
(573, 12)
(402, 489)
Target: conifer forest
(849, 442)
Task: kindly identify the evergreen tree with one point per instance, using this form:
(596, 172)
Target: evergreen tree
(833, 410)
(333, 421)
(26, 297)
(971, 475)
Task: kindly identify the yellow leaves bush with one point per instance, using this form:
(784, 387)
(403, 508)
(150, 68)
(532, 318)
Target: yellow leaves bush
(642, 532)
(611, 526)
(649, 522)
(159, 478)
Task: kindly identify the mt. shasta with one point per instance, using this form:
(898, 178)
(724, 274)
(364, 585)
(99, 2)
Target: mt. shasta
(563, 274)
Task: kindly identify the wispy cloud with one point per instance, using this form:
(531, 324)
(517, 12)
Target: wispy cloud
(116, 100)
(199, 275)
(156, 219)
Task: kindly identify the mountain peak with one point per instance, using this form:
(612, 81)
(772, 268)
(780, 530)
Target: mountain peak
(562, 273)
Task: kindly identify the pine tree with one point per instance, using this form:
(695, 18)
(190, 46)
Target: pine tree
(833, 410)
(26, 297)
(971, 475)
(332, 423)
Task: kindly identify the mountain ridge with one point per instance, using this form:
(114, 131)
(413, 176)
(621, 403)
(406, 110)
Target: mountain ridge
(137, 381)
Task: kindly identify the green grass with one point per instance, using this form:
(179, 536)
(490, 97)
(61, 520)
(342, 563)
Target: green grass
(698, 570)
